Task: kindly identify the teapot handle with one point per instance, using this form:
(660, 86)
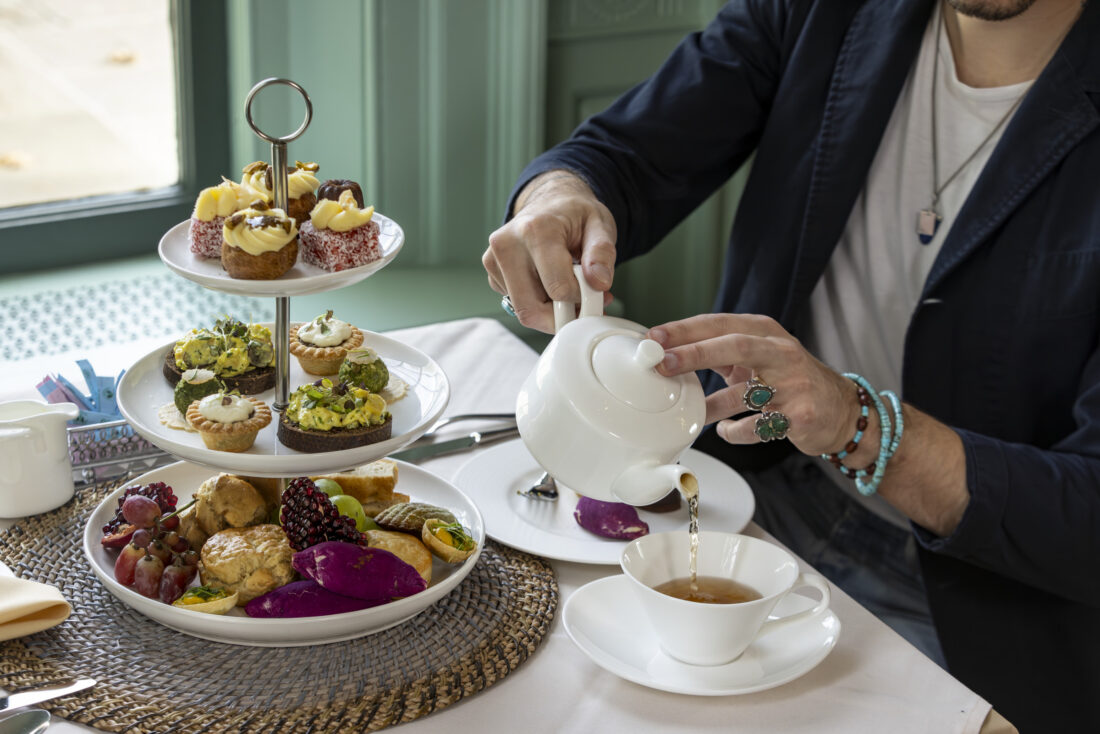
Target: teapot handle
(591, 302)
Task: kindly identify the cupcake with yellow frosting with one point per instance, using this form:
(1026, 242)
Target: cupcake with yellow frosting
(301, 185)
(340, 234)
(259, 243)
(212, 206)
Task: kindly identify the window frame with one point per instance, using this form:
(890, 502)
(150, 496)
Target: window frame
(93, 229)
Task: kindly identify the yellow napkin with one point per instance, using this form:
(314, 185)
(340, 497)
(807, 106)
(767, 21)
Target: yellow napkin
(27, 607)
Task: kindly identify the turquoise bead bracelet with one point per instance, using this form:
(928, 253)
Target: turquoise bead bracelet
(890, 437)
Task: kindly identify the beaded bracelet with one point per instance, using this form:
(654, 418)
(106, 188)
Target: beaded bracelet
(890, 437)
(861, 426)
(886, 448)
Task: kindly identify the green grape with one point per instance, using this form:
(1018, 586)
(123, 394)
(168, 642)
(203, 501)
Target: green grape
(332, 488)
(349, 506)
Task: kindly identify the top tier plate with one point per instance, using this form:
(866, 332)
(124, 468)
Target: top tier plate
(301, 280)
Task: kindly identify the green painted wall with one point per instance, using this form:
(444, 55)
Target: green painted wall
(436, 105)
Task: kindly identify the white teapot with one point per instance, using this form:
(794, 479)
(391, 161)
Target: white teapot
(597, 415)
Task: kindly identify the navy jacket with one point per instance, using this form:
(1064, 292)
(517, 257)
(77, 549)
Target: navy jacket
(1003, 345)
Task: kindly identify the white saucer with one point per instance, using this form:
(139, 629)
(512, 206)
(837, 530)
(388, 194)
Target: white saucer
(604, 621)
(493, 478)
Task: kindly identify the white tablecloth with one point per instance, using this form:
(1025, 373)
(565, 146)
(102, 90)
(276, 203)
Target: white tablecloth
(873, 681)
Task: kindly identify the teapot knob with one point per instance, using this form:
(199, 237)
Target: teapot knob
(648, 354)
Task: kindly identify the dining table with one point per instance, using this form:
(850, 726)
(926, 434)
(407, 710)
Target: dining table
(872, 681)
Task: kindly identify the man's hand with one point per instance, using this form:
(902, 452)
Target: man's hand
(557, 221)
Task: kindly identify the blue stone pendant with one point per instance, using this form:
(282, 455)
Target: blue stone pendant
(928, 221)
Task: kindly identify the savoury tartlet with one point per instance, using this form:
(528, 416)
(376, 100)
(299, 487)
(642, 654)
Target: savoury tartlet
(327, 416)
(322, 344)
(228, 422)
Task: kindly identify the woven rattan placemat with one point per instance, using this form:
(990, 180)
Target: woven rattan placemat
(153, 679)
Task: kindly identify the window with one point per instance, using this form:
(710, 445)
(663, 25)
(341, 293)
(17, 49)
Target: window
(103, 101)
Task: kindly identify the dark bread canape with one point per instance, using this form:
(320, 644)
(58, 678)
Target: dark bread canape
(336, 439)
(253, 382)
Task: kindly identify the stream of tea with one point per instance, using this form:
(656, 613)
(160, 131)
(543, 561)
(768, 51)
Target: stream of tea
(691, 491)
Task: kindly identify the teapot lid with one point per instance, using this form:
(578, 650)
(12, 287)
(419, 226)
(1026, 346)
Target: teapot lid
(625, 366)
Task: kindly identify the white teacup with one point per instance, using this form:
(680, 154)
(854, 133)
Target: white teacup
(713, 634)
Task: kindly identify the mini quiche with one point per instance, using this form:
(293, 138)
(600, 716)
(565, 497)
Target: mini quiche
(241, 355)
(228, 422)
(322, 344)
(327, 416)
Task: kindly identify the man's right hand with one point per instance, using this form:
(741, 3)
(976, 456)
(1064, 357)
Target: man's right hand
(557, 221)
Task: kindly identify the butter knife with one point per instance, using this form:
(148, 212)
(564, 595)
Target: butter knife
(469, 441)
(34, 721)
(26, 698)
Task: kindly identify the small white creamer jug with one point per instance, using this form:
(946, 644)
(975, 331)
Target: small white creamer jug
(36, 474)
(597, 415)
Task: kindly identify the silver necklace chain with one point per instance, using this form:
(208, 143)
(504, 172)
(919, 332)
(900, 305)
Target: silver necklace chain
(938, 189)
(928, 220)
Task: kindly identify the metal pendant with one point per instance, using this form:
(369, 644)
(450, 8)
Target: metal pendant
(928, 221)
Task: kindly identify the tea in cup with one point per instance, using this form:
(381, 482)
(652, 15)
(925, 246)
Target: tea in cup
(739, 581)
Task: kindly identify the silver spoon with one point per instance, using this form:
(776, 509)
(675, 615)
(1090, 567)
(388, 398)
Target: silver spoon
(544, 489)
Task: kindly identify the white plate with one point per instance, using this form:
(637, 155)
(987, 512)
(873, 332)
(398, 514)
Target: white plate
(494, 477)
(602, 619)
(144, 389)
(236, 627)
(300, 280)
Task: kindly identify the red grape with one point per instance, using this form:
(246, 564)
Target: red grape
(147, 575)
(142, 537)
(140, 511)
(175, 580)
(125, 563)
(160, 549)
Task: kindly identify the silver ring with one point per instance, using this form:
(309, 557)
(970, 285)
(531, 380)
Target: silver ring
(506, 304)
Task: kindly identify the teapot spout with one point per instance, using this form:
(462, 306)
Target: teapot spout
(643, 485)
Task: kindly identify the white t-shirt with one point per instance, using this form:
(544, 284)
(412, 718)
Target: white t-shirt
(861, 307)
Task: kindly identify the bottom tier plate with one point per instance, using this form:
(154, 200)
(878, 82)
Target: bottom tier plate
(239, 629)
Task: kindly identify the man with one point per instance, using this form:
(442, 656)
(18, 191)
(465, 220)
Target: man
(923, 211)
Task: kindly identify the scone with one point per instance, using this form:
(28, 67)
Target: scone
(301, 184)
(324, 416)
(227, 501)
(228, 422)
(212, 206)
(250, 561)
(322, 344)
(340, 234)
(259, 243)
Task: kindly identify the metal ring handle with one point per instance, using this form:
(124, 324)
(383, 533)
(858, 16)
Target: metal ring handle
(267, 83)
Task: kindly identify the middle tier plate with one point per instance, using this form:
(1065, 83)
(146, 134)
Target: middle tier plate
(143, 390)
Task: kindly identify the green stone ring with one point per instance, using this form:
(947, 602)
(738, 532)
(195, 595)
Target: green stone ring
(757, 394)
(772, 426)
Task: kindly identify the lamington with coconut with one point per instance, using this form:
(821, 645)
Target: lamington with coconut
(340, 234)
(212, 206)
